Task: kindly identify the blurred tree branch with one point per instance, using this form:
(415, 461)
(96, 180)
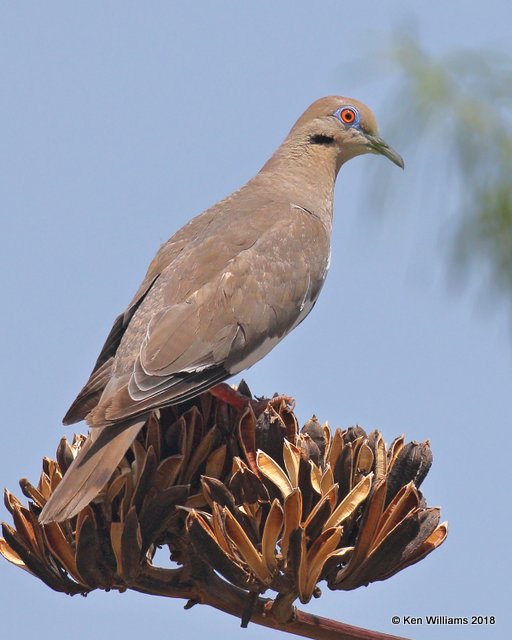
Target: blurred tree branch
(465, 97)
(456, 108)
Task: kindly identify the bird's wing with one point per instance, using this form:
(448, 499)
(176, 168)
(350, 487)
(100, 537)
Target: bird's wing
(221, 328)
(193, 330)
(91, 392)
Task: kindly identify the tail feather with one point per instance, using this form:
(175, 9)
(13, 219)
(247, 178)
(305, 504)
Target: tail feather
(90, 470)
(89, 396)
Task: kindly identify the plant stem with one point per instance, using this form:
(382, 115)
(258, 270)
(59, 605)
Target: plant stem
(217, 593)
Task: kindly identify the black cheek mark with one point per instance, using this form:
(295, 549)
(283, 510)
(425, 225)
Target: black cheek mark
(321, 139)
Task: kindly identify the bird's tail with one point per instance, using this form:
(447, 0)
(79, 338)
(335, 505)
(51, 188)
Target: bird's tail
(90, 470)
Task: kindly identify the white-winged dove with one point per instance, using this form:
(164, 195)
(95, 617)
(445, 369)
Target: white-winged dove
(220, 294)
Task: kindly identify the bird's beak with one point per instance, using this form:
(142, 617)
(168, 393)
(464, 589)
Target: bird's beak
(377, 145)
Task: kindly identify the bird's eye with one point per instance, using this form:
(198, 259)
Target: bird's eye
(348, 115)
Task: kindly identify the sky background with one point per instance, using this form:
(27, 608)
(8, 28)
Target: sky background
(121, 121)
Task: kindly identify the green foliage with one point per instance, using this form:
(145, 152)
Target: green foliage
(460, 102)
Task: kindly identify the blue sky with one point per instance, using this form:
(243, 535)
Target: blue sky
(122, 120)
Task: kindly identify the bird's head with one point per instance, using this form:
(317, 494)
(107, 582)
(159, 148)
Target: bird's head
(340, 128)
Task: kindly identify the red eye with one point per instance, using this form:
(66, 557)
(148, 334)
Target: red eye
(348, 116)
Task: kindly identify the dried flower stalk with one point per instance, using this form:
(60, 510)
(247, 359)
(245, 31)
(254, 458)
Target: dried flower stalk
(249, 498)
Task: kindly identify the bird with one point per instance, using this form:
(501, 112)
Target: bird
(219, 294)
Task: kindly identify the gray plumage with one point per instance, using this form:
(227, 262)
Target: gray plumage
(220, 294)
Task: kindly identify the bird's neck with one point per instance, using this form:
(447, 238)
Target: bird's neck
(304, 175)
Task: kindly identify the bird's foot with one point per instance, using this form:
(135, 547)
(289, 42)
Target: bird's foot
(240, 402)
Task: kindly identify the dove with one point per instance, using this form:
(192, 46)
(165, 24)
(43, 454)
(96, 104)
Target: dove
(220, 293)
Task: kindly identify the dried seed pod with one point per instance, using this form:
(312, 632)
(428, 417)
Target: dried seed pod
(247, 496)
(247, 487)
(315, 431)
(411, 464)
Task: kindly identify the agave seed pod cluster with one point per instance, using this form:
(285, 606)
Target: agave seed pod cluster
(311, 506)
(262, 503)
(106, 544)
